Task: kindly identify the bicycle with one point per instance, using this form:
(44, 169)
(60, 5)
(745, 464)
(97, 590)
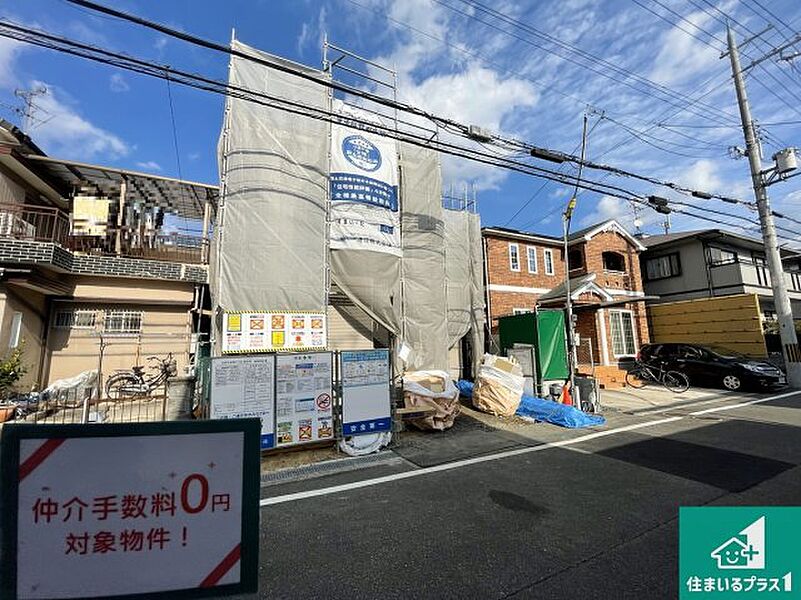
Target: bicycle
(132, 383)
(643, 373)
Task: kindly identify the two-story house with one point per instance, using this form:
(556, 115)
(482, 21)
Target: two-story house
(524, 271)
(710, 263)
(96, 261)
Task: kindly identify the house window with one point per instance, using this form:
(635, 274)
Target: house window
(75, 319)
(123, 322)
(614, 261)
(719, 256)
(575, 258)
(514, 257)
(795, 280)
(16, 330)
(521, 311)
(548, 257)
(531, 255)
(662, 267)
(761, 268)
(622, 325)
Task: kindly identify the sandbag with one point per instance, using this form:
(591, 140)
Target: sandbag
(499, 386)
(431, 390)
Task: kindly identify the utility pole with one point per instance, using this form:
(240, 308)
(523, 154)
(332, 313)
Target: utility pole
(780, 298)
(572, 355)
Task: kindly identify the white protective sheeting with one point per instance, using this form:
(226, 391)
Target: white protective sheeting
(425, 328)
(271, 236)
(478, 324)
(367, 271)
(458, 261)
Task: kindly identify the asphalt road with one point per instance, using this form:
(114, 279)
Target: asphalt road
(576, 514)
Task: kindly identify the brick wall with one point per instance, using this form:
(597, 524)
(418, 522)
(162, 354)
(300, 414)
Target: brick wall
(45, 253)
(503, 302)
(500, 273)
(610, 241)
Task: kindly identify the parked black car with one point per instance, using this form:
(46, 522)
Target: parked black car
(714, 366)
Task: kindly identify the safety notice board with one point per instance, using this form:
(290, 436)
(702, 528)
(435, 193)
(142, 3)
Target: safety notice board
(365, 391)
(244, 386)
(134, 510)
(303, 398)
(274, 331)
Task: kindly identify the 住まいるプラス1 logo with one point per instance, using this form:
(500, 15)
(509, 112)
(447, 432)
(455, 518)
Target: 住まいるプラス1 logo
(746, 550)
(729, 552)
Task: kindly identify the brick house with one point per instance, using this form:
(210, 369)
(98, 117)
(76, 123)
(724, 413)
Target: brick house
(524, 271)
(90, 252)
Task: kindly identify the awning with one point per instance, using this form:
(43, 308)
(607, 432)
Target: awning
(175, 196)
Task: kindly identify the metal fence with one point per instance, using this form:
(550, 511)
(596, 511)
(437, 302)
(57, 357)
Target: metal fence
(84, 406)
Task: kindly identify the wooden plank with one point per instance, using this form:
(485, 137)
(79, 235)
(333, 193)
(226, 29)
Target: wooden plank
(717, 303)
(731, 327)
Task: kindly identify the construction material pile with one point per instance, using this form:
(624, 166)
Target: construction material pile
(434, 393)
(499, 386)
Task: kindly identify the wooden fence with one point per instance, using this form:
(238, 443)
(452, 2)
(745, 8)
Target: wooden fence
(732, 322)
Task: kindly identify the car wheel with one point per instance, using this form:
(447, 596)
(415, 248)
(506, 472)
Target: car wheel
(732, 382)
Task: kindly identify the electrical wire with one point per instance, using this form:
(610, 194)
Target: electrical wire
(592, 62)
(144, 67)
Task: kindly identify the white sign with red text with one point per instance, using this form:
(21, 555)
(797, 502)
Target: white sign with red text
(135, 514)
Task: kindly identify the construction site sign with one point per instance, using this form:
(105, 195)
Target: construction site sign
(304, 402)
(270, 331)
(365, 391)
(244, 386)
(156, 510)
(364, 211)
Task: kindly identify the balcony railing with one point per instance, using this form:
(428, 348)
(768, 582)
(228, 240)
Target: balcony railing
(48, 224)
(171, 247)
(34, 223)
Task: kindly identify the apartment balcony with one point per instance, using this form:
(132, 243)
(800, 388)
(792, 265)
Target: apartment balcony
(46, 236)
(49, 224)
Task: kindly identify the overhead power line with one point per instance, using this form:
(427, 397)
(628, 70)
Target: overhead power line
(586, 60)
(330, 83)
(160, 71)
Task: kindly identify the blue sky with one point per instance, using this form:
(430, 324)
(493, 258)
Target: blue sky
(456, 61)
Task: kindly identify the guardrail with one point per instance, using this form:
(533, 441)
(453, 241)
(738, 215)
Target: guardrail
(35, 223)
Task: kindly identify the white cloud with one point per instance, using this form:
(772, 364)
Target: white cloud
(193, 155)
(303, 38)
(681, 56)
(65, 132)
(9, 50)
(117, 83)
(609, 207)
(149, 165)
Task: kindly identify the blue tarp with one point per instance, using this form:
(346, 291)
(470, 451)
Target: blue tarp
(545, 410)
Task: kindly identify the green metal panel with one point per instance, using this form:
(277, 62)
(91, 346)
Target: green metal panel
(551, 345)
(517, 329)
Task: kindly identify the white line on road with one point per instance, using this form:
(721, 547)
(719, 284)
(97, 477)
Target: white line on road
(750, 402)
(457, 464)
(500, 455)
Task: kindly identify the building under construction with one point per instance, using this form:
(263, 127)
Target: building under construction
(334, 210)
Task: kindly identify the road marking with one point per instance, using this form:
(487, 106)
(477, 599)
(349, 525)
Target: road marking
(749, 403)
(500, 455)
(458, 464)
